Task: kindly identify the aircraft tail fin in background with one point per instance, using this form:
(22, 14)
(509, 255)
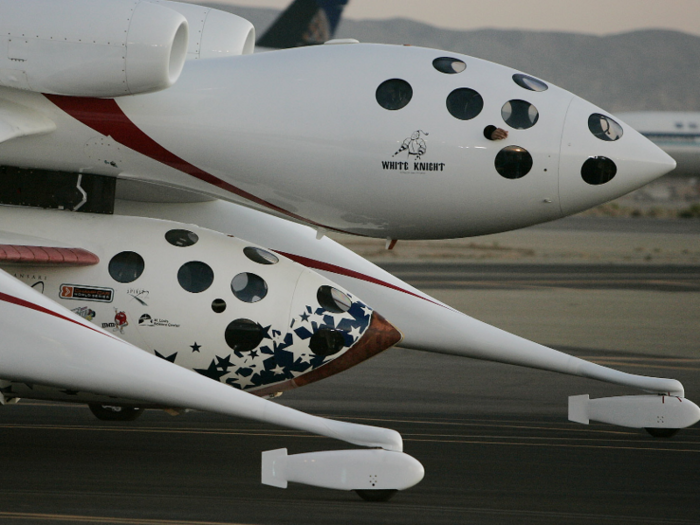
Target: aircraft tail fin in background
(304, 23)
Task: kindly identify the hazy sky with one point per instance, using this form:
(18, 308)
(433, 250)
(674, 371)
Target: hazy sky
(581, 16)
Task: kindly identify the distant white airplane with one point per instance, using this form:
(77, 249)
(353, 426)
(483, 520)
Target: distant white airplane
(676, 132)
(231, 167)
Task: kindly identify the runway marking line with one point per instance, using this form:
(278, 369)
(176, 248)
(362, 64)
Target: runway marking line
(104, 519)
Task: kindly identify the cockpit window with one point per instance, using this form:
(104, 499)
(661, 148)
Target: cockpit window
(326, 341)
(249, 287)
(260, 256)
(333, 300)
(519, 114)
(513, 162)
(449, 65)
(530, 83)
(604, 127)
(598, 170)
(195, 276)
(464, 103)
(181, 238)
(243, 335)
(394, 94)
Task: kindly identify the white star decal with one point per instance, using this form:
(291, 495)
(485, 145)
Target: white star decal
(305, 358)
(366, 311)
(355, 332)
(244, 381)
(277, 370)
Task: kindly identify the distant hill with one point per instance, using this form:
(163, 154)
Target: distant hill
(640, 70)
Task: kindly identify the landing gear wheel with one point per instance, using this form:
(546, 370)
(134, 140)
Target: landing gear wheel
(376, 495)
(662, 432)
(114, 412)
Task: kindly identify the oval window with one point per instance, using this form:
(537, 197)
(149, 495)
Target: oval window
(449, 65)
(513, 162)
(248, 287)
(598, 170)
(126, 267)
(333, 300)
(195, 276)
(464, 103)
(519, 114)
(326, 341)
(218, 305)
(604, 127)
(243, 335)
(181, 238)
(394, 94)
(530, 83)
(260, 256)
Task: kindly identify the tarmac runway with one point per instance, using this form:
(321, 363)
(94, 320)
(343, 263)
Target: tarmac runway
(494, 439)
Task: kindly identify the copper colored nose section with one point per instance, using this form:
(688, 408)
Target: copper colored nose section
(379, 336)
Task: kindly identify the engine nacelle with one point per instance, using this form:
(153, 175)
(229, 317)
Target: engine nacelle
(92, 48)
(214, 33)
(647, 411)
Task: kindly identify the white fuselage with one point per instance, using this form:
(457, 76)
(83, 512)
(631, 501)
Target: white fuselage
(300, 133)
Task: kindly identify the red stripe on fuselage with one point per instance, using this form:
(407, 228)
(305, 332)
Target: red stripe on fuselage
(26, 304)
(339, 270)
(106, 117)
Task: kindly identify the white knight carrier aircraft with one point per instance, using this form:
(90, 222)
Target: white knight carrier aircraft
(166, 193)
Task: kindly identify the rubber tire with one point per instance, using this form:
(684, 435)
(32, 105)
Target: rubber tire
(114, 412)
(376, 495)
(662, 432)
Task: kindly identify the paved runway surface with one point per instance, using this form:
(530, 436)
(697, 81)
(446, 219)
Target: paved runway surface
(494, 439)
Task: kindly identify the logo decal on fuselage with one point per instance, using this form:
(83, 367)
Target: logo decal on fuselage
(414, 147)
(86, 293)
(120, 322)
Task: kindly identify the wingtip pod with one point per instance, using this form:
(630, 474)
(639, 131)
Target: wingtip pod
(646, 411)
(342, 469)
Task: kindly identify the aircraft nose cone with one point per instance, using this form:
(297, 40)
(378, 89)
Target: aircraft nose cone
(603, 158)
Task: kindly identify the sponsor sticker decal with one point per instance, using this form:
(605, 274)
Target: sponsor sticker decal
(80, 292)
(85, 312)
(120, 322)
(147, 320)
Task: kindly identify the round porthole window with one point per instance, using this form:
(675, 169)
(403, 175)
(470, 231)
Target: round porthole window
(604, 127)
(126, 267)
(513, 162)
(326, 341)
(260, 256)
(519, 114)
(464, 103)
(243, 335)
(218, 305)
(448, 65)
(249, 287)
(394, 94)
(181, 238)
(333, 300)
(529, 83)
(598, 170)
(195, 276)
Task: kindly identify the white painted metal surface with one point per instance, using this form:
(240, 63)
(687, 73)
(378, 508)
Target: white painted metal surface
(45, 343)
(96, 48)
(321, 150)
(426, 324)
(342, 469)
(635, 411)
